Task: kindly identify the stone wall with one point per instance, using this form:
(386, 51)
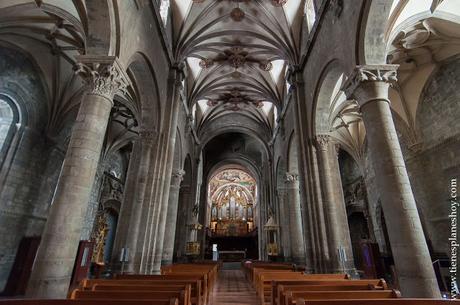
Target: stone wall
(27, 184)
(116, 164)
(437, 160)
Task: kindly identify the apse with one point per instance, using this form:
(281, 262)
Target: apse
(232, 195)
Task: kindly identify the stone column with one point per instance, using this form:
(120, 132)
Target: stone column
(127, 204)
(336, 215)
(306, 169)
(133, 235)
(155, 248)
(55, 259)
(171, 218)
(295, 218)
(181, 227)
(284, 223)
(369, 86)
(323, 255)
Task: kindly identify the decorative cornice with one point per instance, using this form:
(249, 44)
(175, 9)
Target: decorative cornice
(103, 74)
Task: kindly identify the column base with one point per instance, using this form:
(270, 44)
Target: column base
(49, 288)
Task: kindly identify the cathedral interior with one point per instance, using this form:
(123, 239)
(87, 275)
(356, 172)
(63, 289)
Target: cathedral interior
(136, 134)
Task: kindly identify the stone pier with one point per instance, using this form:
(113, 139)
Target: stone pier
(369, 86)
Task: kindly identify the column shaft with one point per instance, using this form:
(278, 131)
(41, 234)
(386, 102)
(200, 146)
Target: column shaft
(284, 223)
(133, 235)
(322, 246)
(337, 222)
(121, 236)
(295, 218)
(171, 219)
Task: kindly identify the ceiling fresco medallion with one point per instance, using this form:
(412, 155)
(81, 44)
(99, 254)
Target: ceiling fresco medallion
(265, 65)
(206, 63)
(212, 103)
(237, 14)
(237, 57)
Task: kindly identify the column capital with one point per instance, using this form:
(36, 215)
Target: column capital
(337, 148)
(291, 178)
(322, 141)
(104, 75)
(370, 83)
(177, 177)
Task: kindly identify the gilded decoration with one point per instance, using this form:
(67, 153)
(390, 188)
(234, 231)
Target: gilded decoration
(231, 198)
(99, 236)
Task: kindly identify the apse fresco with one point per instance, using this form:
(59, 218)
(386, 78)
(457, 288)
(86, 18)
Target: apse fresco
(231, 195)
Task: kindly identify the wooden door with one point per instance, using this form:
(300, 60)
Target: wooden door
(22, 266)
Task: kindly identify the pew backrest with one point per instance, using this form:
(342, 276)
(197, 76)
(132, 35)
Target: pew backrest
(172, 301)
(400, 301)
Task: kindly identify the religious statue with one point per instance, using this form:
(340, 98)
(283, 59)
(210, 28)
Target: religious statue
(99, 235)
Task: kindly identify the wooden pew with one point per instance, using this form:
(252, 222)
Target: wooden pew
(211, 271)
(291, 297)
(400, 301)
(174, 277)
(78, 294)
(187, 288)
(248, 267)
(195, 297)
(87, 302)
(277, 286)
(263, 282)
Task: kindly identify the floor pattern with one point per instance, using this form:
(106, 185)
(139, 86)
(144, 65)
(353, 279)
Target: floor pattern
(233, 288)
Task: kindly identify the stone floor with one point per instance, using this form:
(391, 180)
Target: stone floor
(233, 288)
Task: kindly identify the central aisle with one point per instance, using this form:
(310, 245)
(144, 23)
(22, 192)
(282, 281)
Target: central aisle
(233, 288)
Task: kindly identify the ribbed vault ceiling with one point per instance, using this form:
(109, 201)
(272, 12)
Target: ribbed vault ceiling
(237, 53)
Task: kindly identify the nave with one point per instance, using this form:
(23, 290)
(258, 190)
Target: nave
(232, 287)
(137, 134)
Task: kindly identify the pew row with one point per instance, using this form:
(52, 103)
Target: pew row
(128, 295)
(263, 281)
(290, 298)
(400, 301)
(196, 296)
(279, 287)
(172, 301)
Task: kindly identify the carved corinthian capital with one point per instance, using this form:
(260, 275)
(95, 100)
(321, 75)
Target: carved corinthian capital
(322, 141)
(370, 82)
(103, 74)
(177, 177)
(291, 178)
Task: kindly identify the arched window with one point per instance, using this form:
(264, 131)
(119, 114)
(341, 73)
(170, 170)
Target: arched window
(9, 117)
(164, 11)
(310, 13)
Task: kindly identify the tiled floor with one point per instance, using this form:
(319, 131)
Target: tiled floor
(232, 288)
